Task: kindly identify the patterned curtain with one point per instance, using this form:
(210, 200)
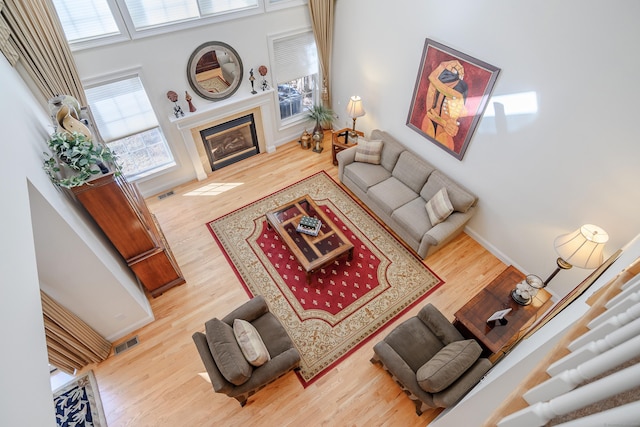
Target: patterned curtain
(322, 21)
(31, 35)
(71, 343)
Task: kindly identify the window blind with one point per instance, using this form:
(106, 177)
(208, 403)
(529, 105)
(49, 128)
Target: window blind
(150, 13)
(121, 108)
(295, 56)
(84, 20)
(213, 7)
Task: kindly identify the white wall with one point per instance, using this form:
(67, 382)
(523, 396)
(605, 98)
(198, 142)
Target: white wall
(537, 176)
(35, 213)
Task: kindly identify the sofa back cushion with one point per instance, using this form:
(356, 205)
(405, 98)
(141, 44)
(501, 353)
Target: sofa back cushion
(391, 149)
(412, 171)
(226, 352)
(414, 342)
(461, 199)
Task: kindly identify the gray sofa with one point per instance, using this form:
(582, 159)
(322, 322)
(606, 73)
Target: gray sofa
(428, 357)
(397, 191)
(228, 370)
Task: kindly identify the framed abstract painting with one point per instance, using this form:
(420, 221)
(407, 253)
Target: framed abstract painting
(451, 93)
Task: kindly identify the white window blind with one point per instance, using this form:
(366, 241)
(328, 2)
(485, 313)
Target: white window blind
(214, 7)
(150, 13)
(85, 20)
(295, 56)
(121, 108)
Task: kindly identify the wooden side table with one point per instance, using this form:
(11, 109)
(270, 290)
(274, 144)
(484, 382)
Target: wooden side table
(471, 319)
(340, 141)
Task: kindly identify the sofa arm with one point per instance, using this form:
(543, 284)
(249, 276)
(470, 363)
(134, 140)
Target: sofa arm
(249, 311)
(345, 157)
(401, 372)
(439, 325)
(270, 371)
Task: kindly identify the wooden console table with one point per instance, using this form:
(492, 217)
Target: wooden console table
(471, 319)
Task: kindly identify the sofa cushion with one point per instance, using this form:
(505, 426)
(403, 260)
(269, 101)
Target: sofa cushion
(365, 175)
(226, 352)
(369, 151)
(439, 207)
(460, 198)
(390, 194)
(250, 343)
(412, 171)
(413, 218)
(391, 149)
(448, 365)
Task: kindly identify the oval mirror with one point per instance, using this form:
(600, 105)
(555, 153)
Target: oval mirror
(214, 70)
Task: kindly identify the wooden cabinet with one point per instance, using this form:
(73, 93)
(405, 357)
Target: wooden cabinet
(120, 211)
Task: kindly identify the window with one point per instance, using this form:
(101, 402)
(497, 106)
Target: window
(295, 62)
(128, 125)
(87, 23)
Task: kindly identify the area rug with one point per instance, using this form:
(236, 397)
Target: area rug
(215, 84)
(78, 404)
(345, 304)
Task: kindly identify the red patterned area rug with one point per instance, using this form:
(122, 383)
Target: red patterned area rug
(347, 302)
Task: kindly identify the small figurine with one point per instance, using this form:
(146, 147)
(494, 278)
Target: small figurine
(252, 79)
(192, 107)
(177, 110)
(263, 72)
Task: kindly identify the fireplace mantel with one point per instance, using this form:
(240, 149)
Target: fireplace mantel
(220, 111)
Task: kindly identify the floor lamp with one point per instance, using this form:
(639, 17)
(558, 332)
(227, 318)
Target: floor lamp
(582, 248)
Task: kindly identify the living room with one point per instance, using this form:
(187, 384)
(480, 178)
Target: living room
(534, 174)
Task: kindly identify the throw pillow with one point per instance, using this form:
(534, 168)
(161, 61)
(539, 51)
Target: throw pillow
(448, 365)
(250, 343)
(439, 207)
(368, 151)
(226, 352)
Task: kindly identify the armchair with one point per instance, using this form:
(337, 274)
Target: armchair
(229, 370)
(428, 357)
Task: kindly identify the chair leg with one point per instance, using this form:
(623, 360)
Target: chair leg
(242, 399)
(375, 359)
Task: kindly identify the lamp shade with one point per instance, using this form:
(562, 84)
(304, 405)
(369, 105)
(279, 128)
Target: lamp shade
(582, 248)
(355, 108)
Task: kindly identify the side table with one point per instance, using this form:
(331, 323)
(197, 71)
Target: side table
(340, 141)
(471, 319)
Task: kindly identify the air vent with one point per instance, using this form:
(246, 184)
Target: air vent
(126, 345)
(167, 194)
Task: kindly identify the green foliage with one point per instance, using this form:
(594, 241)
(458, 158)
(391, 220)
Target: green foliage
(320, 114)
(75, 159)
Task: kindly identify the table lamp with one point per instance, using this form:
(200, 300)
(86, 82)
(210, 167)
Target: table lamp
(355, 110)
(582, 248)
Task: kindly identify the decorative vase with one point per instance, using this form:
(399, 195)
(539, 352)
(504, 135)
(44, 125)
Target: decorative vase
(317, 141)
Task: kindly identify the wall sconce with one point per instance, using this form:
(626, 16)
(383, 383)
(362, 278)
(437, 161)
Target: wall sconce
(355, 110)
(582, 248)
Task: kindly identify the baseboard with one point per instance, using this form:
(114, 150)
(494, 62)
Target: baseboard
(491, 248)
(130, 328)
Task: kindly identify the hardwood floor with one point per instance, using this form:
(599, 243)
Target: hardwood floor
(156, 383)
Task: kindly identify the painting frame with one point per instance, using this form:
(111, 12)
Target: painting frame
(457, 87)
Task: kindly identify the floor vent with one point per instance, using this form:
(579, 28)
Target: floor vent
(126, 345)
(167, 194)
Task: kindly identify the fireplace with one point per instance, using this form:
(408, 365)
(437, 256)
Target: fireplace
(230, 142)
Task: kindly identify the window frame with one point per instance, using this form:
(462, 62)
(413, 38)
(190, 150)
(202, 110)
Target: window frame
(128, 31)
(297, 118)
(123, 75)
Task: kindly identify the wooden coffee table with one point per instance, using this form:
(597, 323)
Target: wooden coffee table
(313, 252)
(471, 319)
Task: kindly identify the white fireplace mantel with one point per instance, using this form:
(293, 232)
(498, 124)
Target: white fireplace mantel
(217, 112)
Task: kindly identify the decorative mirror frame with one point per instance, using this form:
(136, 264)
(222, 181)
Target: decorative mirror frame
(193, 62)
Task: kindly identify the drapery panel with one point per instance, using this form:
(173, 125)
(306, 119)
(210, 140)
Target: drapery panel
(31, 34)
(71, 343)
(322, 12)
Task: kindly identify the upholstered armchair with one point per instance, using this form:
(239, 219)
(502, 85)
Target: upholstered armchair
(243, 357)
(429, 358)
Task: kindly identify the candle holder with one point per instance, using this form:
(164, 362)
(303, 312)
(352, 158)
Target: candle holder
(526, 290)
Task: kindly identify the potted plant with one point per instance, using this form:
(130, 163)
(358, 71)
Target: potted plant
(321, 115)
(75, 159)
